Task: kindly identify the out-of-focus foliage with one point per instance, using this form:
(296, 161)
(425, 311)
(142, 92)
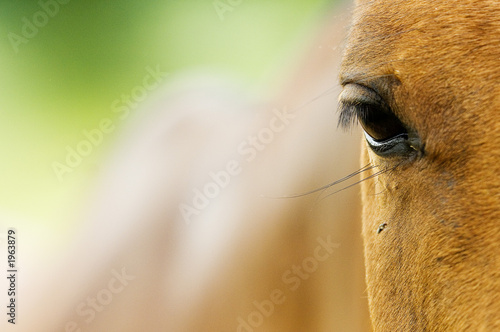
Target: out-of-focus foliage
(64, 79)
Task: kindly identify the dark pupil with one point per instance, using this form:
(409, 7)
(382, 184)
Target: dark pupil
(380, 124)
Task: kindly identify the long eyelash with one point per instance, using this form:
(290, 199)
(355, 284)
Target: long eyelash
(361, 170)
(350, 113)
(386, 170)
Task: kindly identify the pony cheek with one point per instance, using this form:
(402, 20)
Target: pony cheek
(371, 208)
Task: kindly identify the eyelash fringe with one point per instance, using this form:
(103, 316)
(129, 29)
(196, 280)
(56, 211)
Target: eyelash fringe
(350, 113)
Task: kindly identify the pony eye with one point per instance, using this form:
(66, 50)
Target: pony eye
(385, 134)
(379, 124)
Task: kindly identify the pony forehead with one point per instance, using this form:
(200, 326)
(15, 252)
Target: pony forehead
(385, 33)
(428, 13)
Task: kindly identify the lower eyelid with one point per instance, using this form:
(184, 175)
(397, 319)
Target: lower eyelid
(386, 145)
(371, 141)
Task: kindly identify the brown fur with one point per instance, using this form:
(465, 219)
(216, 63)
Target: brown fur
(436, 265)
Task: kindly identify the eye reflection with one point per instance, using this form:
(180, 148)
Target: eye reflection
(385, 134)
(379, 124)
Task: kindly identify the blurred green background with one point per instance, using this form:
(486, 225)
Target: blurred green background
(64, 79)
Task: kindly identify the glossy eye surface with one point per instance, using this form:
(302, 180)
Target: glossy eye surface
(386, 135)
(379, 124)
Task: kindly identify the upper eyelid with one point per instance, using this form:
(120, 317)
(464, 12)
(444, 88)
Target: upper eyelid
(352, 97)
(354, 93)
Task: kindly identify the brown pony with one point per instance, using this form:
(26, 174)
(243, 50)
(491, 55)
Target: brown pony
(422, 78)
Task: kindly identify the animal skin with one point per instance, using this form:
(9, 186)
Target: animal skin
(431, 212)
